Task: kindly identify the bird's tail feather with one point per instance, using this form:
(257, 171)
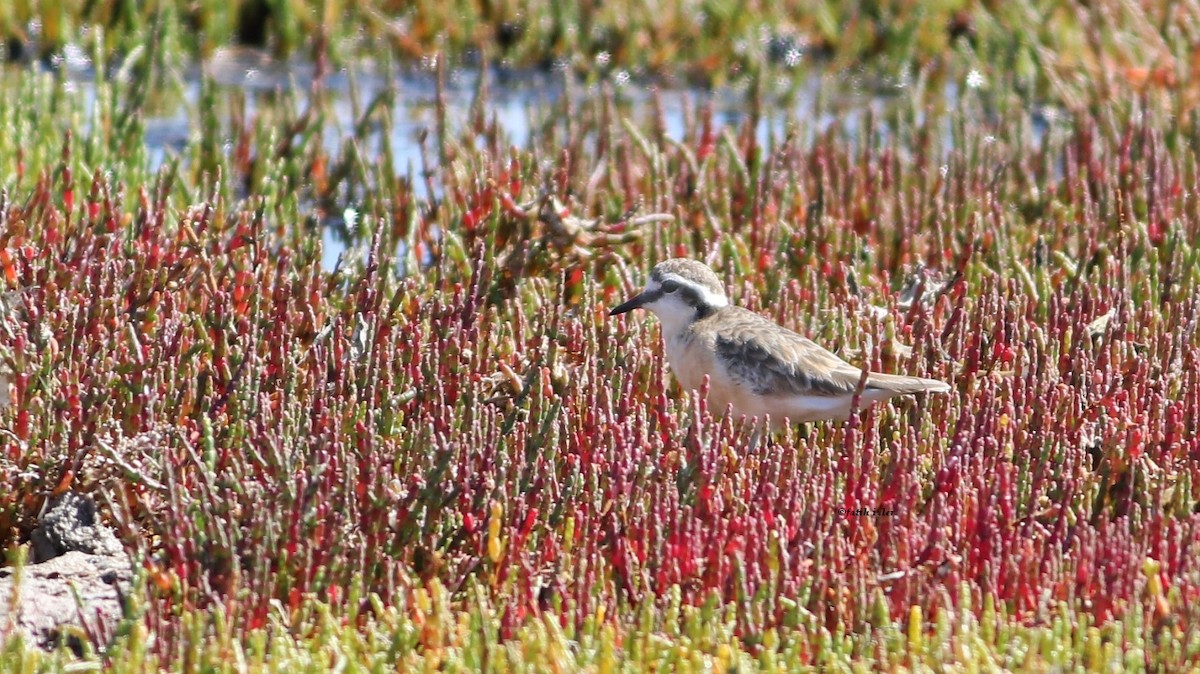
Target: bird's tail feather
(901, 384)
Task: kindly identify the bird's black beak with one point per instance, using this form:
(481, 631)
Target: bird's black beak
(629, 306)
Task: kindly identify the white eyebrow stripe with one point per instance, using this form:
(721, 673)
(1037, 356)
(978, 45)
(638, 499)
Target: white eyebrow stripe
(707, 296)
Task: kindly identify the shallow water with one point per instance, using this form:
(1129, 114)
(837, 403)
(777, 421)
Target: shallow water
(519, 101)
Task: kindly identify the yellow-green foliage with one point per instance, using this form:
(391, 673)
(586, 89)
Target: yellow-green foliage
(425, 635)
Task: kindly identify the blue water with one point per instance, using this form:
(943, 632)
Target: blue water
(520, 103)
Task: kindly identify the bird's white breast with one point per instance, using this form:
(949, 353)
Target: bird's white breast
(691, 359)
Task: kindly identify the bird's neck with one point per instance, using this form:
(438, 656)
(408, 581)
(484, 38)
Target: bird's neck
(676, 321)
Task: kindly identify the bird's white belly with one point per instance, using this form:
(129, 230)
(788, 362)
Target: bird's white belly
(805, 408)
(798, 408)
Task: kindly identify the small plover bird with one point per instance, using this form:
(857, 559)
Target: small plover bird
(753, 364)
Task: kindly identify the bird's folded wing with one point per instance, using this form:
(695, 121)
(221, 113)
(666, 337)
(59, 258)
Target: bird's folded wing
(772, 360)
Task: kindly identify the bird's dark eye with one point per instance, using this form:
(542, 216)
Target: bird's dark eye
(670, 286)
